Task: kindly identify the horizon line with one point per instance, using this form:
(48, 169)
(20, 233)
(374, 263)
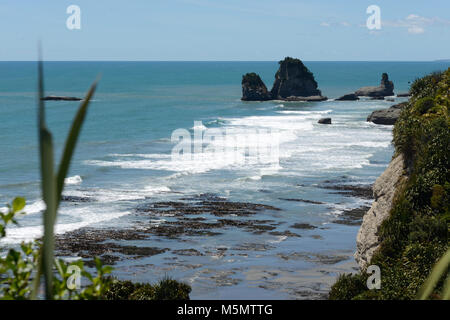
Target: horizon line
(95, 60)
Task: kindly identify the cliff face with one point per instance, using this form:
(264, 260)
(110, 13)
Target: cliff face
(384, 190)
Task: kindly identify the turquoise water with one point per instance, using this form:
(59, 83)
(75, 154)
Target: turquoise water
(124, 155)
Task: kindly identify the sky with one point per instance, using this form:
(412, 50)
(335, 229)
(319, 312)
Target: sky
(225, 30)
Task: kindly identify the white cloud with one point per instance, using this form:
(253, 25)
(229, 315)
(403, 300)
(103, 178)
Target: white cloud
(416, 30)
(335, 24)
(416, 24)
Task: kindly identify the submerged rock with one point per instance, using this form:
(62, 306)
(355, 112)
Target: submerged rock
(386, 116)
(348, 97)
(386, 88)
(324, 121)
(253, 88)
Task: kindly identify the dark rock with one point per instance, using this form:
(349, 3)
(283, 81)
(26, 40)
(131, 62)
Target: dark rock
(303, 226)
(386, 116)
(302, 200)
(386, 88)
(253, 88)
(309, 99)
(324, 121)
(364, 191)
(60, 98)
(352, 217)
(293, 82)
(286, 233)
(75, 199)
(294, 79)
(348, 97)
(405, 94)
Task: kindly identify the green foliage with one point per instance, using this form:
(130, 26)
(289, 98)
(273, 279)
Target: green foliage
(416, 234)
(166, 289)
(16, 207)
(440, 270)
(18, 269)
(426, 86)
(347, 287)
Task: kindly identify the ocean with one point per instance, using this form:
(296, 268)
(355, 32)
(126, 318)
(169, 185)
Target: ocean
(123, 163)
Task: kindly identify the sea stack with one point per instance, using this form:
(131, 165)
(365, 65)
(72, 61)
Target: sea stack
(386, 88)
(293, 79)
(253, 88)
(293, 82)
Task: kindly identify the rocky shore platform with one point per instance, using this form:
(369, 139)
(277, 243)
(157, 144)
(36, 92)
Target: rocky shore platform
(165, 237)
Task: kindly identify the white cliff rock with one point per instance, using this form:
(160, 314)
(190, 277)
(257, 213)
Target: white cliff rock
(384, 190)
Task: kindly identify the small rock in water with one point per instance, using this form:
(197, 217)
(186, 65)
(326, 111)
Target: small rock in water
(60, 98)
(348, 97)
(324, 121)
(386, 116)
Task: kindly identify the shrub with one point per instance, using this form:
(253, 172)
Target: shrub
(166, 289)
(347, 287)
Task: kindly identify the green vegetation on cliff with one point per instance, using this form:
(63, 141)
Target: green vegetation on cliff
(415, 235)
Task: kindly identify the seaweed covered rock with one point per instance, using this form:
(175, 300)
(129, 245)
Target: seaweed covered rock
(293, 79)
(253, 88)
(386, 88)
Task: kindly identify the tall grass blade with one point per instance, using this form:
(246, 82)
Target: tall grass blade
(446, 292)
(48, 189)
(436, 274)
(37, 278)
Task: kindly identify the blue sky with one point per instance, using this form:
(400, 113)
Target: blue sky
(225, 30)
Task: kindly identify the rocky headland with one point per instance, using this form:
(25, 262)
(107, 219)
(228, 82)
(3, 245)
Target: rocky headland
(387, 116)
(293, 82)
(406, 230)
(386, 88)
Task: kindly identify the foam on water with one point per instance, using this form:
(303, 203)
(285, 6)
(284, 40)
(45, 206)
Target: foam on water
(73, 180)
(87, 217)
